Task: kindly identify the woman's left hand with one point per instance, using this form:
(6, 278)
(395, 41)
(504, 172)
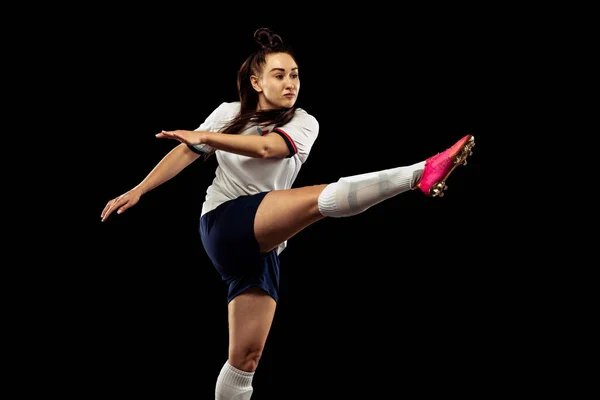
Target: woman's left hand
(189, 137)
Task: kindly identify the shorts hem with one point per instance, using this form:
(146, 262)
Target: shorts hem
(265, 288)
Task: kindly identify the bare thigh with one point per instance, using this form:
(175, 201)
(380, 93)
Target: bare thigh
(284, 213)
(250, 317)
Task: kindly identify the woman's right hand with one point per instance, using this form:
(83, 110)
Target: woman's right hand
(122, 203)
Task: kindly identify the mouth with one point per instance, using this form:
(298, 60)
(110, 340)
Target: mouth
(289, 95)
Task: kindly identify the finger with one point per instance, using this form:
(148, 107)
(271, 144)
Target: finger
(106, 208)
(177, 136)
(124, 207)
(170, 136)
(106, 214)
(164, 135)
(113, 207)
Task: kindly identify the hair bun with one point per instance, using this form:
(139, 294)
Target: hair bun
(266, 38)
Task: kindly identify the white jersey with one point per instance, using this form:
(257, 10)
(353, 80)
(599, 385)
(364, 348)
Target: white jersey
(237, 175)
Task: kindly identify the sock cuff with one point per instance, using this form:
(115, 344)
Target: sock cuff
(403, 180)
(236, 377)
(327, 201)
(407, 176)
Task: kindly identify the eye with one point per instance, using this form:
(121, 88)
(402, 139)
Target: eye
(294, 76)
(279, 76)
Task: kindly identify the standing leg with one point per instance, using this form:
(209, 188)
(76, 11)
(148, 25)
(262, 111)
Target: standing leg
(250, 317)
(284, 213)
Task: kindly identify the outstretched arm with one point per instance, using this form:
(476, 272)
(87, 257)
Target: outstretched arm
(268, 146)
(171, 164)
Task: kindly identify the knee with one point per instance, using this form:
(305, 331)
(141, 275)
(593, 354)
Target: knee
(245, 359)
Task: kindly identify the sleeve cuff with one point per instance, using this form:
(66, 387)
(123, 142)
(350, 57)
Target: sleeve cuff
(195, 150)
(288, 141)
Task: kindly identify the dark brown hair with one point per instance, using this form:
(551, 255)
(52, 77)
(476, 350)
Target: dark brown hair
(269, 43)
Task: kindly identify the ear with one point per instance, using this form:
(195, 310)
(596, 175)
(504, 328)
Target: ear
(254, 81)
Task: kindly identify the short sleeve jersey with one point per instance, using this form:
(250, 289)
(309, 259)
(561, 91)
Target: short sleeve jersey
(238, 175)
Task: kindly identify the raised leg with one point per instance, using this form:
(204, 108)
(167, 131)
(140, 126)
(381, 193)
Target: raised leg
(284, 213)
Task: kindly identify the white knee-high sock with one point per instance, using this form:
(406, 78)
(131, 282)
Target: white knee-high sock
(233, 384)
(355, 194)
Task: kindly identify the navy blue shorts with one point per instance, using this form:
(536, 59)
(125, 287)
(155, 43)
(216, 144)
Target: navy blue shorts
(227, 233)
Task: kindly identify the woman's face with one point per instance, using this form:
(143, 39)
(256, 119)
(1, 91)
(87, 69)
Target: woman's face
(279, 84)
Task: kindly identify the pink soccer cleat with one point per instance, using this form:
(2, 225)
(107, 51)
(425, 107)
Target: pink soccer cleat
(439, 167)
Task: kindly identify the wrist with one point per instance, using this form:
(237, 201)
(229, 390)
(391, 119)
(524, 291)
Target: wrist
(204, 137)
(140, 189)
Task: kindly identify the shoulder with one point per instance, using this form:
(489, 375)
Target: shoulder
(303, 117)
(228, 109)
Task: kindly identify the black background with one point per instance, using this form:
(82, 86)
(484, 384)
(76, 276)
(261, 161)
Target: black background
(401, 298)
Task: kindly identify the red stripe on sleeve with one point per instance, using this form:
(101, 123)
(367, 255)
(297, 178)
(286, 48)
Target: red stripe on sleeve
(289, 138)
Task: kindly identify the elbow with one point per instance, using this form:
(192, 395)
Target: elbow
(267, 152)
(264, 152)
(268, 149)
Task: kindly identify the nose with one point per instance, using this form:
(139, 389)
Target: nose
(289, 83)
